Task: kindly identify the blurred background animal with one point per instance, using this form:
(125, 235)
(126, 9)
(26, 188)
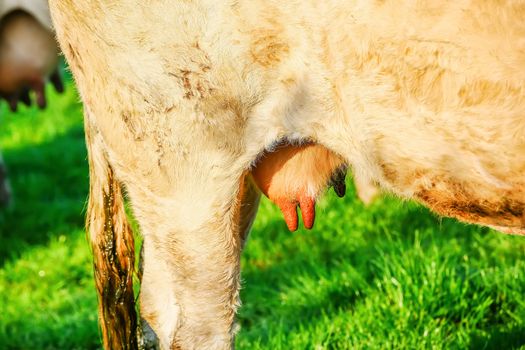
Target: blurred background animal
(28, 59)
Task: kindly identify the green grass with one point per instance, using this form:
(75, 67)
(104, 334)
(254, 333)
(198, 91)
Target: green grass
(391, 275)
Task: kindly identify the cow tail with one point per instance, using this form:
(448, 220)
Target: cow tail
(111, 239)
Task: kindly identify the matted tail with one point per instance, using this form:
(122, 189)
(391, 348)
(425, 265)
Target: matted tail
(112, 242)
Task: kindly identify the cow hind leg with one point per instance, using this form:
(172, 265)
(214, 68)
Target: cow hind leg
(113, 250)
(190, 284)
(249, 197)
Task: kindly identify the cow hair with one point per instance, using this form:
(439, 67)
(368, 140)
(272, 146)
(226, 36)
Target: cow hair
(112, 242)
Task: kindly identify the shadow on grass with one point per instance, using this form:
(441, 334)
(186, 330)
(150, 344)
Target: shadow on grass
(50, 186)
(497, 338)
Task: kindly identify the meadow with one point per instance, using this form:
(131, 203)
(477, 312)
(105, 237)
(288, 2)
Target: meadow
(388, 276)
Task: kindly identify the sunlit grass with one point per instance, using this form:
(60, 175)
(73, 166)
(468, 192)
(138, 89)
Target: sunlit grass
(388, 276)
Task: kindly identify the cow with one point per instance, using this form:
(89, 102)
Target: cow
(28, 57)
(188, 104)
(28, 52)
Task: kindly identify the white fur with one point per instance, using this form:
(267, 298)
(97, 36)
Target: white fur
(425, 98)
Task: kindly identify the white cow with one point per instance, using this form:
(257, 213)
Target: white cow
(183, 98)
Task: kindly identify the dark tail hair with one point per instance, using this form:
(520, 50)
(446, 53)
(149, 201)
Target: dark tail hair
(113, 247)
